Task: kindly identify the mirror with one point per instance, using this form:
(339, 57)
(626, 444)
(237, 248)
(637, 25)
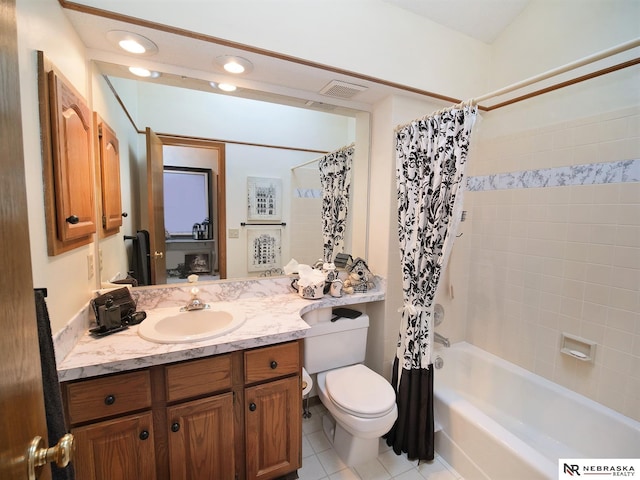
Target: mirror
(266, 144)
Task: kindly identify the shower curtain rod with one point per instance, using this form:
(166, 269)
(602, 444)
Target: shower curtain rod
(320, 158)
(546, 75)
(557, 71)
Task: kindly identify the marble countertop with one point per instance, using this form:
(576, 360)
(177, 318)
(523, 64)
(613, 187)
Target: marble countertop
(273, 314)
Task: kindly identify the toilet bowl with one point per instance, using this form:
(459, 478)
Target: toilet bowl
(359, 399)
(361, 404)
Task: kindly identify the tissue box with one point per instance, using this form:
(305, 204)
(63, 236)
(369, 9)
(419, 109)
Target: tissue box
(313, 291)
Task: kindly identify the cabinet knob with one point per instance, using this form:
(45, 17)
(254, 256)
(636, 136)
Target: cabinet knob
(274, 364)
(109, 400)
(125, 214)
(175, 426)
(72, 219)
(144, 435)
(252, 407)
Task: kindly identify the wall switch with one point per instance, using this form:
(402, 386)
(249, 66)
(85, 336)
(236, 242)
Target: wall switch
(90, 266)
(234, 233)
(100, 259)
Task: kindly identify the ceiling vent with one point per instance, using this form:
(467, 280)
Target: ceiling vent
(338, 89)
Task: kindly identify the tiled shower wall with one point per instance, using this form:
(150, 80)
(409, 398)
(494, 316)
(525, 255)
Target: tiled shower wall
(554, 219)
(306, 210)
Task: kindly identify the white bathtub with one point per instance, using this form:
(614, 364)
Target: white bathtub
(498, 421)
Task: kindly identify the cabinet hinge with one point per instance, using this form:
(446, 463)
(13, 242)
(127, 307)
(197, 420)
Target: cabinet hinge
(104, 221)
(99, 130)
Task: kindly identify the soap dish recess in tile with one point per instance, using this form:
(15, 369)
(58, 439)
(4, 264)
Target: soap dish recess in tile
(578, 347)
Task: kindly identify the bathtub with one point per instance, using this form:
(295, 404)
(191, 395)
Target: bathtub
(497, 421)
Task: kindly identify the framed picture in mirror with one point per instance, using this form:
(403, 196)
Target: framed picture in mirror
(198, 262)
(264, 248)
(264, 199)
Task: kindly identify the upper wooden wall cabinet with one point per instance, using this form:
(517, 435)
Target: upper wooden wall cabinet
(68, 161)
(109, 167)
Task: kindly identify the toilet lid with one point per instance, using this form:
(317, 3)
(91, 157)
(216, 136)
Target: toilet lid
(361, 391)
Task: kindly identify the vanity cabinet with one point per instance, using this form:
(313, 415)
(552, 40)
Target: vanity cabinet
(121, 447)
(235, 416)
(200, 433)
(273, 422)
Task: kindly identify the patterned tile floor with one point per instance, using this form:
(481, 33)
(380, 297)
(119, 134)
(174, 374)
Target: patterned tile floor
(320, 461)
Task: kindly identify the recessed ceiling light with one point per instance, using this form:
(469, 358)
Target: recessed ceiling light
(144, 72)
(132, 42)
(233, 64)
(227, 87)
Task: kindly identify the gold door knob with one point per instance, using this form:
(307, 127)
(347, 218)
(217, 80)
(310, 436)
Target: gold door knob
(158, 254)
(61, 454)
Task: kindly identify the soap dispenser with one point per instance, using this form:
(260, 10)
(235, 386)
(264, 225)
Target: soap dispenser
(109, 315)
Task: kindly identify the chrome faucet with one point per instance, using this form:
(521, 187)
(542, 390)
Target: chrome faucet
(195, 303)
(440, 339)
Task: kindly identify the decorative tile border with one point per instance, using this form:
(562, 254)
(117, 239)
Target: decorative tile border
(587, 174)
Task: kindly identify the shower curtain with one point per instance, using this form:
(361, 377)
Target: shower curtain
(335, 178)
(431, 155)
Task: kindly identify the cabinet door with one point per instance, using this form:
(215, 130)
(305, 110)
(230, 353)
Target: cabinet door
(273, 428)
(72, 161)
(201, 439)
(120, 449)
(110, 179)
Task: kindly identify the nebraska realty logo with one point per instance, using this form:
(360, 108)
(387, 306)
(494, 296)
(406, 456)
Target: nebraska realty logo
(598, 467)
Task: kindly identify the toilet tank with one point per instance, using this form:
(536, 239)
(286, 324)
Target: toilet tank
(329, 345)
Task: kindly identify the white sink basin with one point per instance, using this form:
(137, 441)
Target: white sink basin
(170, 325)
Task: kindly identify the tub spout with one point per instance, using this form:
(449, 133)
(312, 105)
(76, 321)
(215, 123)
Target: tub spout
(443, 340)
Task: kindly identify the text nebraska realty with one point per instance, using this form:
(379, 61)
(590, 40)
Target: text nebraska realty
(612, 470)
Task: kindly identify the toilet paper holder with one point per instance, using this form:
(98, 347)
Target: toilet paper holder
(307, 385)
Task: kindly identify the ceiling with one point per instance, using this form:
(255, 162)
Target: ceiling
(187, 61)
(483, 20)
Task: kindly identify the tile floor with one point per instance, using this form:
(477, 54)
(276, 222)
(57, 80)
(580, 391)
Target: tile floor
(320, 461)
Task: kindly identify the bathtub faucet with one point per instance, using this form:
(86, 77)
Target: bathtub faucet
(443, 340)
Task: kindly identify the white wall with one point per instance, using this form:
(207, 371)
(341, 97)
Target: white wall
(42, 26)
(371, 37)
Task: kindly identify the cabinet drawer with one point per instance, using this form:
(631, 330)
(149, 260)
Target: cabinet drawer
(271, 362)
(103, 397)
(198, 377)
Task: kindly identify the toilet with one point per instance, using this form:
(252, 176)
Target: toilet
(361, 403)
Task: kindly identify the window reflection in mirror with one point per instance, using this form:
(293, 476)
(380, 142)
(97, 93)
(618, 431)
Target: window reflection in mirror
(188, 202)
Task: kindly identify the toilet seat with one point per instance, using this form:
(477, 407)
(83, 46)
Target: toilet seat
(359, 391)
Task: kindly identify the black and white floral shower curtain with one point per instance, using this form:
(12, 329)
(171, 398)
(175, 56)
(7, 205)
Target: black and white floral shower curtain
(431, 155)
(335, 178)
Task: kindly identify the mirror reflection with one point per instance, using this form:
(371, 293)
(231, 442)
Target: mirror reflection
(253, 139)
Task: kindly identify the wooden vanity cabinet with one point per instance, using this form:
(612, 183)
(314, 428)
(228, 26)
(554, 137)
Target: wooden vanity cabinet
(200, 433)
(273, 422)
(122, 448)
(110, 441)
(233, 416)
